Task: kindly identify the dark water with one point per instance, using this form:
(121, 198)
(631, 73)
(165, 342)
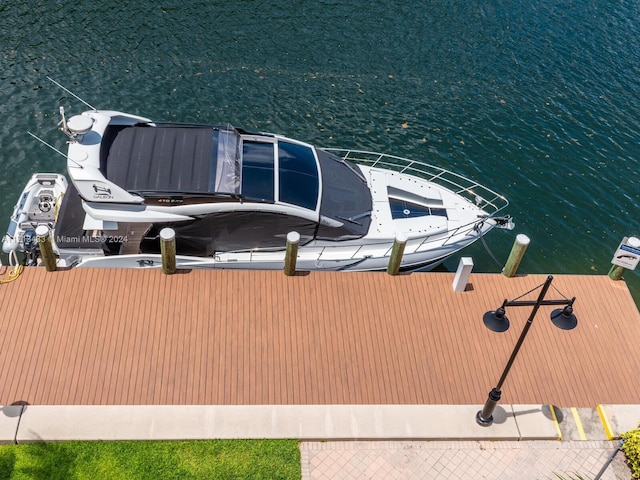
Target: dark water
(539, 101)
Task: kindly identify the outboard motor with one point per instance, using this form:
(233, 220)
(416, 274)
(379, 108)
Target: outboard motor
(29, 241)
(30, 246)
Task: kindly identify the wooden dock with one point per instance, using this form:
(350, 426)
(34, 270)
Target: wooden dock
(139, 337)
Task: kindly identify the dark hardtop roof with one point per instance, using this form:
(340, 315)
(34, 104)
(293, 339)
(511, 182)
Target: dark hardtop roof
(184, 159)
(163, 159)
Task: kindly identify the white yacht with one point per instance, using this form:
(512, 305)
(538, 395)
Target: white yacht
(232, 196)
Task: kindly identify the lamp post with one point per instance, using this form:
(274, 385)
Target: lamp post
(497, 321)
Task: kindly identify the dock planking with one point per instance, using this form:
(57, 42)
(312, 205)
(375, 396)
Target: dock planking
(139, 337)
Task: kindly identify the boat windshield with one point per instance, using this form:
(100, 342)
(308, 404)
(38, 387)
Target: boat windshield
(297, 175)
(227, 179)
(297, 172)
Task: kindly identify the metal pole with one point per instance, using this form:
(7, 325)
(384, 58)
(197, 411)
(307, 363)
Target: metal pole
(485, 416)
(606, 465)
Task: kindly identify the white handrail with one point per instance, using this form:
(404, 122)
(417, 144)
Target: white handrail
(486, 198)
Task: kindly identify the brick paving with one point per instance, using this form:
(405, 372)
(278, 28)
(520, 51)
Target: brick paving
(461, 460)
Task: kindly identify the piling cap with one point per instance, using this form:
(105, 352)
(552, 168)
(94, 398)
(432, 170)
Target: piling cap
(42, 230)
(401, 237)
(167, 234)
(293, 237)
(522, 239)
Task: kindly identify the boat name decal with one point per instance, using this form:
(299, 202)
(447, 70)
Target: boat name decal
(100, 192)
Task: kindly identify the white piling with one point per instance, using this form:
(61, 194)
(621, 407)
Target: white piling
(462, 274)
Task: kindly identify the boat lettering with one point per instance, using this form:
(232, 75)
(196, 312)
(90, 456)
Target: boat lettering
(101, 193)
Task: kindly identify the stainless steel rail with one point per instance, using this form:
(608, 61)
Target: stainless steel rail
(487, 199)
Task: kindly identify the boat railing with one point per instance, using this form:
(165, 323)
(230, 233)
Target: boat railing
(485, 198)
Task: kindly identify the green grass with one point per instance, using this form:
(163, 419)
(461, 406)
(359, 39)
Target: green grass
(210, 459)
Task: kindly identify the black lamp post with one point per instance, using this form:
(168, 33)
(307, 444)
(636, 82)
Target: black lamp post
(497, 321)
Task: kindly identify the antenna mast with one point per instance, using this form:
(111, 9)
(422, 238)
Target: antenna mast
(55, 150)
(71, 93)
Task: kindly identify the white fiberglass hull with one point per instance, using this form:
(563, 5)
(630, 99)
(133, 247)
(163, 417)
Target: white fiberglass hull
(234, 199)
(309, 258)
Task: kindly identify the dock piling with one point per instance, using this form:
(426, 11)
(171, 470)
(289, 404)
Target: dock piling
(626, 257)
(462, 274)
(46, 249)
(396, 254)
(291, 255)
(515, 257)
(168, 250)
(616, 272)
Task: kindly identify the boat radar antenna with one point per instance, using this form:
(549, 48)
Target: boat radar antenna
(76, 127)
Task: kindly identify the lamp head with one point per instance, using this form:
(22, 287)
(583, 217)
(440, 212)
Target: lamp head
(496, 320)
(564, 318)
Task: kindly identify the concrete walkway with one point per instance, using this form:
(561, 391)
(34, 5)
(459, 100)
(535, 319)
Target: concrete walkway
(402, 441)
(37, 423)
(504, 460)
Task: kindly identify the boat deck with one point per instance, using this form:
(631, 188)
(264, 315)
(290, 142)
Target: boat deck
(138, 337)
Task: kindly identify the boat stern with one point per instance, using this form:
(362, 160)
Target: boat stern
(38, 205)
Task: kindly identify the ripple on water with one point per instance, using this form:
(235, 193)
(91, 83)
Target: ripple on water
(538, 101)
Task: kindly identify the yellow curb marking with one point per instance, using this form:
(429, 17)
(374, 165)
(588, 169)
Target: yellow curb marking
(608, 431)
(555, 420)
(576, 417)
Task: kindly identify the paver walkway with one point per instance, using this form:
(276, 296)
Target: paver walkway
(461, 460)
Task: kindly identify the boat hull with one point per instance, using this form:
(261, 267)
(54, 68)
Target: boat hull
(233, 197)
(307, 260)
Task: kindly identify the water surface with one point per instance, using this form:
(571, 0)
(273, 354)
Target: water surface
(538, 101)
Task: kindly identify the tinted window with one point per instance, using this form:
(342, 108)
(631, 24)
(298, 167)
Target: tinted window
(226, 231)
(298, 175)
(258, 171)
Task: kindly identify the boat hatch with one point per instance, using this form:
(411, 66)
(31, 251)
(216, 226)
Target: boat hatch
(403, 209)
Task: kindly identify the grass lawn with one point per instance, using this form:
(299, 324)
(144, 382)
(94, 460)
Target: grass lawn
(210, 459)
